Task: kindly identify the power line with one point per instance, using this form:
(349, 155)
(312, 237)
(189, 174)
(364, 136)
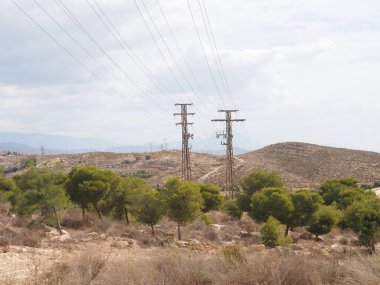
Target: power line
(213, 50)
(76, 22)
(74, 57)
(170, 52)
(167, 48)
(217, 52)
(132, 56)
(127, 48)
(204, 52)
(126, 44)
(181, 53)
(86, 50)
(159, 48)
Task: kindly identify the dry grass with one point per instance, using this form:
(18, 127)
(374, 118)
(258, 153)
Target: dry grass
(4, 244)
(26, 237)
(231, 266)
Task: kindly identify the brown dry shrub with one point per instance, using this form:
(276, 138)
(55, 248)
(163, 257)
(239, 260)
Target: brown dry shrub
(26, 237)
(211, 234)
(81, 269)
(247, 224)
(4, 244)
(20, 222)
(219, 217)
(182, 267)
(72, 219)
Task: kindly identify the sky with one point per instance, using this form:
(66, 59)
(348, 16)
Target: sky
(296, 70)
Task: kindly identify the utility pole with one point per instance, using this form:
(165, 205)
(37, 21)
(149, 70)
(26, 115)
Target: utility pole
(227, 141)
(186, 166)
(42, 153)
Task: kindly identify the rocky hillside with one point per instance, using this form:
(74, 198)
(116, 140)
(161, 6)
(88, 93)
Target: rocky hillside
(307, 165)
(299, 164)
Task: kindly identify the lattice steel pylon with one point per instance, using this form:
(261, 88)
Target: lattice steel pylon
(227, 136)
(186, 163)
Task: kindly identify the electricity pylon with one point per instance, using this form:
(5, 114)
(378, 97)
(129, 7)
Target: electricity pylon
(186, 165)
(227, 136)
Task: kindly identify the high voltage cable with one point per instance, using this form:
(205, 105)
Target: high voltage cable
(75, 58)
(171, 54)
(102, 12)
(181, 53)
(204, 52)
(217, 52)
(87, 51)
(167, 47)
(93, 40)
(127, 48)
(128, 52)
(97, 14)
(159, 49)
(215, 55)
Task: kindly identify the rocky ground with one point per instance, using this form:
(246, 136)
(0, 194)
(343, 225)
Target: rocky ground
(20, 263)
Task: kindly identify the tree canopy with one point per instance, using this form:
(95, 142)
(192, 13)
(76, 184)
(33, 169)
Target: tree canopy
(88, 185)
(363, 217)
(183, 200)
(39, 189)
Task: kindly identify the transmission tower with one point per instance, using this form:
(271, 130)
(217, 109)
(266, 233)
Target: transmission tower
(227, 141)
(186, 166)
(42, 153)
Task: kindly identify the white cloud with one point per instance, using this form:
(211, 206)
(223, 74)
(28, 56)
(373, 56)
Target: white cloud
(299, 70)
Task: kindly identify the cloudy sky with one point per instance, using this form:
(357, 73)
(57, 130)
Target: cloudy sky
(297, 70)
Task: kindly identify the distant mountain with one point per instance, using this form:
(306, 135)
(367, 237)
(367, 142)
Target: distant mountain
(57, 144)
(54, 143)
(15, 147)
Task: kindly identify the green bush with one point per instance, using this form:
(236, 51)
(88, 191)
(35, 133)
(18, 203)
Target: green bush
(323, 220)
(260, 179)
(363, 217)
(331, 188)
(204, 217)
(31, 161)
(273, 234)
(183, 200)
(232, 209)
(211, 197)
(232, 253)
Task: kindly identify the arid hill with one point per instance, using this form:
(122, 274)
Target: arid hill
(299, 164)
(307, 165)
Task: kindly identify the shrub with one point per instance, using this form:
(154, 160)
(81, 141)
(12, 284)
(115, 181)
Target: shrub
(211, 233)
(31, 161)
(149, 208)
(4, 244)
(323, 220)
(232, 209)
(204, 217)
(31, 238)
(183, 200)
(273, 233)
(232, 253)
(260, 179)
(211, 197)
(363, 217)
(331, 188)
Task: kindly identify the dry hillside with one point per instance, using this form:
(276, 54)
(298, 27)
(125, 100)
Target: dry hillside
(299, 164)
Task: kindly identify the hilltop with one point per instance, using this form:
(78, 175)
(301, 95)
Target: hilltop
(299, 164)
